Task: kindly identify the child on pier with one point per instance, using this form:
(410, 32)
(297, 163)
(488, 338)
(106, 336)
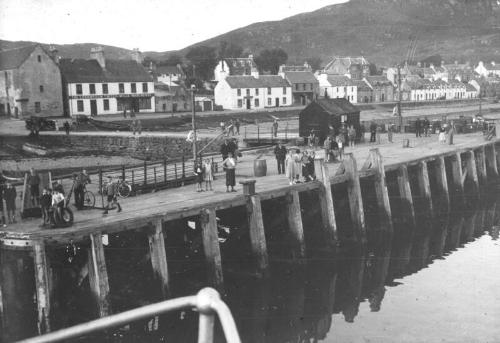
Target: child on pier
(45, 203)
(199, 174)
(111, 190)
(209, 176)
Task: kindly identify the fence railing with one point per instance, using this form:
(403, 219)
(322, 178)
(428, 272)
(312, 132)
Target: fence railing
(207, 302)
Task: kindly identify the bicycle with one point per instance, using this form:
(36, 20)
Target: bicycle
(88, 198)
(123, 189)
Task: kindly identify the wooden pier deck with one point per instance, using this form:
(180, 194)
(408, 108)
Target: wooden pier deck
(185, 201)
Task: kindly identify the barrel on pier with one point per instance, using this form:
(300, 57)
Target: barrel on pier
(259, 168)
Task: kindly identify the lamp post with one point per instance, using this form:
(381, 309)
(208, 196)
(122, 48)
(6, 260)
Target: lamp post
(193, 124)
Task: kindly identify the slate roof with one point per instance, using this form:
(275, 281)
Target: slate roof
(347, 61)
(470, 88)
(238, 66)
(362, 85)
(300, 77)
(85, 71)
(337, 106)
(490, 66)
(12, 59)
(378, 81)
(263, 81)
(339, 81)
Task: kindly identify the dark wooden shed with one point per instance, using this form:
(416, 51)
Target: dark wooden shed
(322, 114)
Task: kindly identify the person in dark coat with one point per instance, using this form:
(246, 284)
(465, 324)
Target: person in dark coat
(66, 127)
(225, 149)
(373, 132)
(10, 202)
(426, 125)
(418, 128)
(45, 204)
(280, 153)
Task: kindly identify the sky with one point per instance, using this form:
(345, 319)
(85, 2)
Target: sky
(150, 25)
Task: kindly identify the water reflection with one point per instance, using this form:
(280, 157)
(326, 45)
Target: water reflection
(297, 303)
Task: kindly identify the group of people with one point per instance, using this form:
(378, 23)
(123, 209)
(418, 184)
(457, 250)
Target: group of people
(422, 127)
(295, 165)
(52, 201)
(136, 126)
(232, 128)
(204, 173)
(334, 148)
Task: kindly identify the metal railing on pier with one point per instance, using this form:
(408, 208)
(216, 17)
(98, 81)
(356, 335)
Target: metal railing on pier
(207, 302)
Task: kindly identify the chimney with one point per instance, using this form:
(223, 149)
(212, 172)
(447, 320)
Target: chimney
(53, 53)
(137, 55)
(97, 53)
(250, 57)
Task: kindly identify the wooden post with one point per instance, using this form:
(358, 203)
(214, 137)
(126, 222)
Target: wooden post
(154, 174)
(406, 196)
(184, 167)
(472, 171)
(256, 226)
(145, 174)
(442, 184)
(491, 160)
(165, 170)
(355, 198)
(98, 275)
(123, 172)
(481, 168)
(175, 169)
(458, 178)
(381, 190)
(42, 287)
(159, 256)
(211, 246)
(425, 187)
(100, 180)
(295, 224)
(326, 201)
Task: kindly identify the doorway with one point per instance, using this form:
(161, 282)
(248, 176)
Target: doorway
(93, 108)
(249, 105)
(277, 102)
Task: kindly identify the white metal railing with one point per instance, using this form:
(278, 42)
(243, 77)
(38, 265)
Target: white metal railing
(207, 302)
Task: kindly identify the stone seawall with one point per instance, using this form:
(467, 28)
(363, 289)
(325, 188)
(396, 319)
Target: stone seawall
(143, 147)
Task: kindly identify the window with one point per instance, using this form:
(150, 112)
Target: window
(284, 90)
(38, 107)
(133, 88)
(296, 86)
(79, 89)
(284, 101)
(256, 91)
(144, 87)
(105, 104)
(92, 88)
(269, 90)
(104, 88)
(164, 107)
(240, 103)
(41, 89)
(39, 58)
(79, 105)
(304, 86)
(145, 104)
(269, 101)
(257, 104)
(121, 88)
(248, 92)
(238, 92)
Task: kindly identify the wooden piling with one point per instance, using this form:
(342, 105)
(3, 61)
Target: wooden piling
(425, 187)
(295, 224)
(481, 165)
(98, 275)
(491, 160)
(326, 201)
(42, 287)
(256, 226)
(381, 191)
(458, 179)
(159, 256)
(472, 171)
(442, 185)
(406, 196)
(211, 247)
(355, 198)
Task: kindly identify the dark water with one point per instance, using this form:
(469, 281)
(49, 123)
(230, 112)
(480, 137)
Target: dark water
(438, 283)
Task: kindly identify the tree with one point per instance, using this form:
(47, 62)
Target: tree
(229, 50)
(314, 62)
(203, 60)
(271, 59)
(172, 60)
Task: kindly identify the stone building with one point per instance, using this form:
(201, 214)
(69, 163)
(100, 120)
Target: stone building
(102, 86)
(171, 98)
(356, 68)
(30, 83)
(382, 88)
(305, 86)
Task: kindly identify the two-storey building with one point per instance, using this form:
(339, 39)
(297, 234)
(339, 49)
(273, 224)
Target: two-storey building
(337, 86)
(30, 83)
(488, 69)
(382, 88)
(305, 86)
(103, 86)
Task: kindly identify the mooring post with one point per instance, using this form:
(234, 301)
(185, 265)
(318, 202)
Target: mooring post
(355, 198)
(481, 160)
(491, 160)
(294, 216)
(442, 184)
(256, 226)
(211, 247)
(458, 178)
(406, 196)
(98, 275)
(381, 190)
(159, 256)
(472, 171)
(145, 173)
(42, 287)
(326, 201)
(425, 187)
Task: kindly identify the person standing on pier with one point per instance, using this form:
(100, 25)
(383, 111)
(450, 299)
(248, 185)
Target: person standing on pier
(200, 175)
(297, 165)
(280, 153)
(351, 133)
(133, 126)
(426, 124)
(10, 202)
(290, 172)
(209, 176)
(373, 132)
(229, 165)
(111, 191)
(390, 131)
(275, 128)
(237, 126)
(326, 147)
(418, 128)
(231, 127)
(66, 127)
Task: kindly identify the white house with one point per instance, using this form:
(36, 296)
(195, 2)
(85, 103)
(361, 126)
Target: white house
(337, 86)
(169, 74)
(249, 92)
(100, 86)
(235, 67)
(488, 69)
(471, 92)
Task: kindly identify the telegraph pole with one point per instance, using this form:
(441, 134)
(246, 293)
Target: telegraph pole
(193, 124)
(399, 101)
